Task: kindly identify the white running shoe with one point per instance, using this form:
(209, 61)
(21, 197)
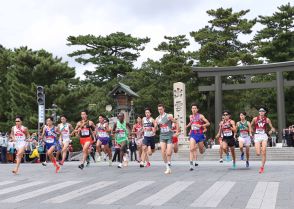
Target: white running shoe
(168, 171)
(119, 165)
(110, 162)
(221, 160)
(99, 158)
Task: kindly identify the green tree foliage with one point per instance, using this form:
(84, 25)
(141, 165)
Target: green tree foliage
(220, 43)
(154, 80)
(113, 55)
(275, 41)
(24, 69)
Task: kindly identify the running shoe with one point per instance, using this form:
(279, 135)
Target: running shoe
(119, 165)
(228, 157)
(81, 166)
(105, 158)
(110, 162)
(191, 168)
(148, 165)
(221, 160)
(247, 164)
(242, 156)
(168, 171)
(57, 168)
(196, 164)
(261, 170)
(60, 162)
(141, 165)
(44, 163)
(88, 164)
(98, 158)
(234, 166)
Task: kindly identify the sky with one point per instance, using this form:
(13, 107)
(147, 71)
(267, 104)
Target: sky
(46, 24)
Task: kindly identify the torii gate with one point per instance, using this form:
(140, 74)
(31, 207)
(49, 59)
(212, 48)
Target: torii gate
(248, 70)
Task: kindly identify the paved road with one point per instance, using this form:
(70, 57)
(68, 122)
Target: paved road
(211, 185)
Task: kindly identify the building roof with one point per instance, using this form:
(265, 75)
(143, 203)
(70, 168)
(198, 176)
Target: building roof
(125, 88)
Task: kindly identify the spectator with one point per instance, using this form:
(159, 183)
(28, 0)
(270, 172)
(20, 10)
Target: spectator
(11, 152)
(116, 156)
(4, 144)
(133, 147)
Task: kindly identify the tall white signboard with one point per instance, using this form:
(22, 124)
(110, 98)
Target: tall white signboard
(179, 91)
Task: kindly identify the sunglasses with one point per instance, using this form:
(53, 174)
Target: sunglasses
(225, 114)
(17, 121)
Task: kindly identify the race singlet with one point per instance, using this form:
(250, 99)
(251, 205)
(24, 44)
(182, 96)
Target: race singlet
(164, 128)
(85, 132)
(19, 134)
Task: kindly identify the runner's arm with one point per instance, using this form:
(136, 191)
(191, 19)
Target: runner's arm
(155, 125)
(219, 131)
(27, 133)
(250, 128)
(76, 130)
(252, 123)
(205, 120)
(271, 125)
(233, 126)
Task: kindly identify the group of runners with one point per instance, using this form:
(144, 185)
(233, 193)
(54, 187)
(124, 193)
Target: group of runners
(144, 132)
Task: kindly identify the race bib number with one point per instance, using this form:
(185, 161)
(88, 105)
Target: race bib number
(102, 134)
(121, 134)
(194, 127)
(164, 128)
(260, 131)
(65, 136)
(228, 133)
(49, 140)
(20, 138)
(148, 133)
(85, 132)
(244, 134)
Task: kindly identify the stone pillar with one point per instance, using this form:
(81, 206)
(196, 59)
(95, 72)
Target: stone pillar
(280, 105)
(218, 101)
(179, 91)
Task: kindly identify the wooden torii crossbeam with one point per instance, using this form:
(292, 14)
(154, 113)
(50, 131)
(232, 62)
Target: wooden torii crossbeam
(249, 70)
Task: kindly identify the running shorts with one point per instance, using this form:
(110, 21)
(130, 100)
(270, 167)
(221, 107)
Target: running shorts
(104, 140)
(260, 137)
(166, 140)
(85, 140)
(246, 140)
(197, 137)
(175, 140)
(49, 145)
(149, 141)
(20, 144)
(229, 140)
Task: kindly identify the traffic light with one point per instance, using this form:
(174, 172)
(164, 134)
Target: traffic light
(40, 95)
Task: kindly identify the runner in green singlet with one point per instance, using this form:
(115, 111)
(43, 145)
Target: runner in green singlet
(121, 129)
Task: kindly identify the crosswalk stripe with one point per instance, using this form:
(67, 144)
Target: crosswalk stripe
(166, 194)
(6, 182)
(214, 195)
(264, 196)
(40, 192)
(19, 187)
(79, 192)
(121, 193)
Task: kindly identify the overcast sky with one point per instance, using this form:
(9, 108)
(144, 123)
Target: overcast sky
(47, 23)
